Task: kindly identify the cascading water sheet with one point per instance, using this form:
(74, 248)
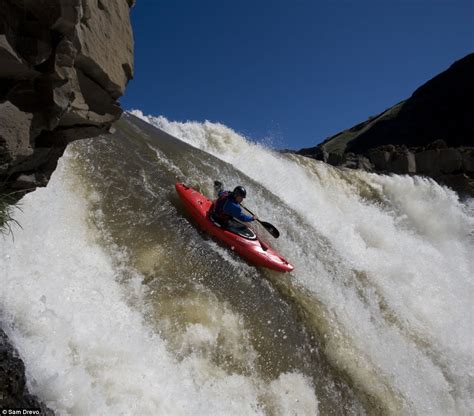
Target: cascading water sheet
(119, 304)
(389, 257)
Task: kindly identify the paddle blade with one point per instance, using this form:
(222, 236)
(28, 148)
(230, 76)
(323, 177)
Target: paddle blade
(270, 228)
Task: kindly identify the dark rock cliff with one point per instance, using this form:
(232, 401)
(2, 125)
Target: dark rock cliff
(63, 65)
(431, 133)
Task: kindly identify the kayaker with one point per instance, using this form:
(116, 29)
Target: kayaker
(227, 205)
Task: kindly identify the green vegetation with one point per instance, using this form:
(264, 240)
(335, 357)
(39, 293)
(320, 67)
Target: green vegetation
(7, 201)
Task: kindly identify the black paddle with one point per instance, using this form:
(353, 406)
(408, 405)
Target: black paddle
(269, 227)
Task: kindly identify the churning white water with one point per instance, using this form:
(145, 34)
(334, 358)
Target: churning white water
(88, 350)
(397, 280)
(383, 279)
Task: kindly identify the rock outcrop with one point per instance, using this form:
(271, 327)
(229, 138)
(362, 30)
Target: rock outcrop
(431, 133)
(13, 391)
(63, 65)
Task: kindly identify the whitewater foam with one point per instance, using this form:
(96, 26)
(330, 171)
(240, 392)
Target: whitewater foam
(397, 279)
(87, 349)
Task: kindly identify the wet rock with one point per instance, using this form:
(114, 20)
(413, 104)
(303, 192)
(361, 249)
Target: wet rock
(461, 183)
(334, 159)
(364, 163)
(379, 158)
(437, 161)
(391, 159)
(13, 391)
(468, 160)
(426, 162)
(354, 161)
(402, 162)
(450, 160)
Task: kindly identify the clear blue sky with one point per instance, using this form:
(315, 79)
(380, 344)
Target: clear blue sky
(297, 71)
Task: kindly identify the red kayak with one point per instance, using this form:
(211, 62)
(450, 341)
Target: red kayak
(237, 236)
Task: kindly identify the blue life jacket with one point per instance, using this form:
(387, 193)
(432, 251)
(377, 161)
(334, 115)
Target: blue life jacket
(226, 207)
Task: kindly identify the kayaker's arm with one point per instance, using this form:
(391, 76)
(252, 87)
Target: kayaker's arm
(245, 218)
(235, 210)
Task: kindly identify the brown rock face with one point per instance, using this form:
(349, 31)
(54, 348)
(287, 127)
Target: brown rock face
(63, 65)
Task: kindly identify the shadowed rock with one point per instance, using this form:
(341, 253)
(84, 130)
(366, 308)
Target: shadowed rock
(63, 65)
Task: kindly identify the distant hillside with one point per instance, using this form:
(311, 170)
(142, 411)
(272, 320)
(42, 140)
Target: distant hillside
(443, 108)
(430, 133)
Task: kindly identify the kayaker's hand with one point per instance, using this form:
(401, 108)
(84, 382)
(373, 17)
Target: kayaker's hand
(254, 217)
